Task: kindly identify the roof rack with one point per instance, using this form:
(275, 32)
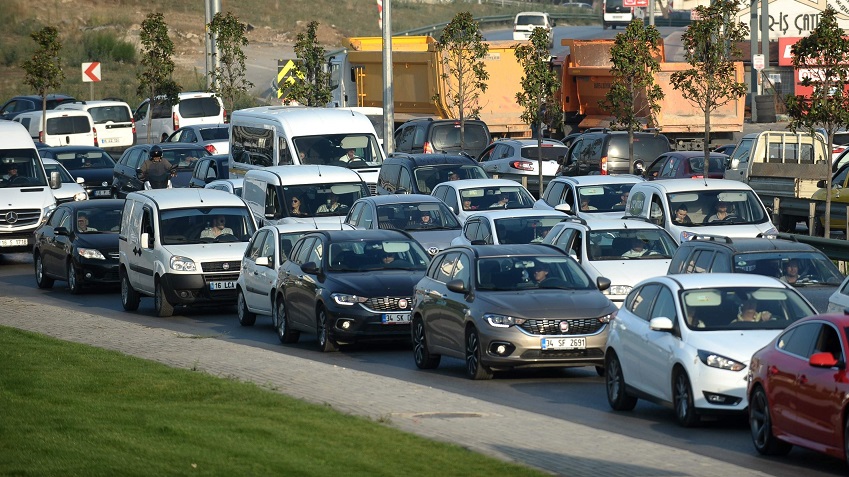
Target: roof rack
(712, 238)
(572, 218)
(637, 217)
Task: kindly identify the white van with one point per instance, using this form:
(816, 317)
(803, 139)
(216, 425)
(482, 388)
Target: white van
(192, 108)
(297, 135)
(64, 128)
(26, 198)
(302, 194)
(614, 13)
(116, 129)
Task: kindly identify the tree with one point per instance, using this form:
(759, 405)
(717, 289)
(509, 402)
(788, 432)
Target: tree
(462, 50)
(312, 88)
(228, 79)
(823, 55)
(633, 95)
(539, 88)
(157, 66)
(44, 69)
(709, 44)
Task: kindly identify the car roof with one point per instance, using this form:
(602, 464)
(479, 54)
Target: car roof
(170, 145)
(358, 234)
(494, 214)
(314, 173)
(71, 148)
(687, 185)
(616, 224)
(305, 227)
(399, 199)
(689, 281)
(536, 250)
(751, 244)
(205, 126)
(597, 179)
(94, 204)
(530, 142)
(180, 198)
(432, 159)
(473, 183)
(689, 154)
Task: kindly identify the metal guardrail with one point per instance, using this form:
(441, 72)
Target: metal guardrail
(835, 249)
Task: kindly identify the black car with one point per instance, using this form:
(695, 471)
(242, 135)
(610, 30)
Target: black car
(606, 152)
(93, 164)
(22, 104)
(79, 243)
(403, 173)
(348, 286)
(125, 177)
(209, 169)
(434, 136)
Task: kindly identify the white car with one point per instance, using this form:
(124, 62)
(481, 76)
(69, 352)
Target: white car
(624, 251)
(233, 186)
(526, 22)
(839, 300)
(71, 189)
(508, 227)
(472, 196)
(605, 196)
(685, 341)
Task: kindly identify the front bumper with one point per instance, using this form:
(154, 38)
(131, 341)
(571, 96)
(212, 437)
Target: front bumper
(719, 390)
(356, 323)
(523, 349)
(91, 271)
(194, 289)
(14, 242)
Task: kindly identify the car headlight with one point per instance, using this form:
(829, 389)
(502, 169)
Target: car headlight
(618, 290)
(348, 300)
(90, 253)
(82, 195)
(718, 361)
(182, 264)
(608, 317)
(502, 321)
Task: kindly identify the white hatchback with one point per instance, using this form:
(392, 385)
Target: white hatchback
(507, 227)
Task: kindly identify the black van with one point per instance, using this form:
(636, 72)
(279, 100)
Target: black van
(432, 136)
(606, 152)
(419, 173)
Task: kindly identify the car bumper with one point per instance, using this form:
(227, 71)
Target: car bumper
(17, 242)
(718, 390)
(525, 350)
(195, 289)
(92, 271)
(352, 324)
(99, 192)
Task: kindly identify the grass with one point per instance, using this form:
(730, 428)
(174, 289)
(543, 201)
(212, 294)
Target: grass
(71, 409)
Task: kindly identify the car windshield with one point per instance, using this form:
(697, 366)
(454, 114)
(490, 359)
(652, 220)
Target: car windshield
(414, 217)
(521, 273)
(633, 244)
(21, 168)
(354, 151)
(106, 114)
(93, 159)
(524, 229)
(99, 220)
(184, 159)
(205, 224)
(371, 255)
(64, 175)
(715, 164)
(747, 308)
(321, 200)
(719, 207)
(604, 198)
(796, 268)
(212, 134)
(536, 20)
(496, 197)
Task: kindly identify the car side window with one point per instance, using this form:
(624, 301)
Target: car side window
(471, 229)
(564, 240)
(552, 194)
(657, 216)
(366, 219)
(446, 268)
(315, 253)
(486, 155)
(57, 217)
(405, 138)
(255, 246)
(703, 261)
(461, 270)
(302, 251)
(484, 233)
(568, 197)
(799, 340)
(354, 214)
(664, 305)
(420, 135)
(441, 192)
(405, 181)
(721, 263)
(268, 247)
(642, 301)
(669, 168)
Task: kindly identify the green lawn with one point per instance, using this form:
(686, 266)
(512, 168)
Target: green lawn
(69, 409)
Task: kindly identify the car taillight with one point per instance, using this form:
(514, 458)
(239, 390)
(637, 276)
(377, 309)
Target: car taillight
(838, 149)
(428, 148)
(697, 177)
(133, 121)
(604, 166)
(211, 149)
(225, 116)
(176, 121)
(522, 165)
(94, 131)
(40, 136)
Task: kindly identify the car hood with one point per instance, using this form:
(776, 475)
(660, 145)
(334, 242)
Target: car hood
(206, 252)
(94, 176)
(103, 241)
(376, 282)
(435, 238)
(737, 345)
(545, 303)
(627, 272)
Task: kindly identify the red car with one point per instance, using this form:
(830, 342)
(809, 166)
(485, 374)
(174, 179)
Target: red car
(686, 164)
(799, 389)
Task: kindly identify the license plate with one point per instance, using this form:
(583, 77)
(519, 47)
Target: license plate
(98, 193)
(564, 343)
(109, 140)
(12, 242)
(222, 285)
(393, 318)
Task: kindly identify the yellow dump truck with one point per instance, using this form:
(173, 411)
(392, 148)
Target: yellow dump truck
(420, 85)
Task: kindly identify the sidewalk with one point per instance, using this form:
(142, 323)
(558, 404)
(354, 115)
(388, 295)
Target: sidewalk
(564, 448)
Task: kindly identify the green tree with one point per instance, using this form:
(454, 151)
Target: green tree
(633, 95)
(462, 50)
(312, 88)
(539, 88)
(823, 54)
(154, 77)
(228, 78)
(709, 44)
(44, 69)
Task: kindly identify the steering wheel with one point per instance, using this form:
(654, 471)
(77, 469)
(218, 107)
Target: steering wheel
(20, 180)
(226, 238)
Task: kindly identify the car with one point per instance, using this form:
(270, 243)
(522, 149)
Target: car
(605, 196)
(22, 104)
(508, 227)
(519, 160)
(403, 173)
(233, 186)
(625, 251)
(686, 165)
(797, 390)
(839, 180)
(470, 196)
(426, 218)
(502, 307)
(71, 188)
(92, 164)
(838, 302)
(606, 152)
(685, 341)
(576, 4)
(154, 125)
(726, 149)
(210, 168)
(349, 286)
(79, 244)
(182, 156)
(116, 130)
(814, 275)
(215, 138)
(435, 136)
(63, 127)
(526, 22)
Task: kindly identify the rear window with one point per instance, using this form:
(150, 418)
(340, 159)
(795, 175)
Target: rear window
(697, 164)
(199, 107)
(614, 6)
(105, 114)
(549, 153)
(531, 20)
(210, 134)
(646, 147)
(448, 136)
(68, 125)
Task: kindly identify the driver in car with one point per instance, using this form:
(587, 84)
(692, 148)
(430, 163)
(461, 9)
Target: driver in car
(218, 228)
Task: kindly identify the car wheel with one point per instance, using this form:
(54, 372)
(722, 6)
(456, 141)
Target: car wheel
(74, 285)
(682, 398)
(130, 298)
(246, 318)
(475, 369)
(424, 359)
(322, 329)
(281, 323)
(760, 423)
(617, 396)
(42, 280)
(160, 301)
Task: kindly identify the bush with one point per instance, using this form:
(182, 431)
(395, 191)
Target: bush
(106, 46)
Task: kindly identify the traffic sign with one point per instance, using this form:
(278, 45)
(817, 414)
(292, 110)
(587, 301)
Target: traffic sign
(287, 74)
(91, 72)
(758, 62)
(635, 3)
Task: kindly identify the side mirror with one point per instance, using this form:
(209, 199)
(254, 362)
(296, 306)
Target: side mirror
(565, 208)
(735, 163)
(602, 283)
(80, 180)
(310, 268)
(822, 360)
(55, 180)
(262, 261)
(660, 323)
(145, 240)
(61, 231)
(457, 286)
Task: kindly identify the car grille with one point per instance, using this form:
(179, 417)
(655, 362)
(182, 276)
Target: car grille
(387, 303)
(24, 217)
(221, 266)
(113, 255)
(581, 326)
(221, 277)
(372, 188)
(563, 354)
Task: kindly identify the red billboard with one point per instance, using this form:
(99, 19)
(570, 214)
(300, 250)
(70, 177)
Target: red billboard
(635, 3)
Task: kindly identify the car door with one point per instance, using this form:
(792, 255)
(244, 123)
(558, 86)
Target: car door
(146, 256)
(53, 245)
(441, 325)
(252, 273)
(301, 288)
(267, 275)
(657, 353)
(140, 117)
(796, 345)
(632, 327)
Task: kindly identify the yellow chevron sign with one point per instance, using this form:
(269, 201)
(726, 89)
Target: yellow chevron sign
(287, 74)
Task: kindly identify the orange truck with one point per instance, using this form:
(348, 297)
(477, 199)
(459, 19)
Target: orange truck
(420, 83)
(585, 75)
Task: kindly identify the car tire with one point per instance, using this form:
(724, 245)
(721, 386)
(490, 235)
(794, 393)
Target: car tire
(281, 323)
(475, 369)
(130, 298)
(760, 423)
(164, 309)
(42, 280)
(614, 379)
(246, 317)
(424, 359)
(74, 285)
(322, 330)
(682, 400)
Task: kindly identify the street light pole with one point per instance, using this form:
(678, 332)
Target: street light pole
(388, 96)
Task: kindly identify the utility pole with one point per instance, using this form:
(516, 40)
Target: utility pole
(388, 96)
(211, 7)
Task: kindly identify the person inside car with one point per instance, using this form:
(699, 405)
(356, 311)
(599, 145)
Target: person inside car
(296, 208)
(791, 271)
(82, 224)
(539, 273)
(681, 216)
(749, 313)
(218, 227)
(721, 212)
